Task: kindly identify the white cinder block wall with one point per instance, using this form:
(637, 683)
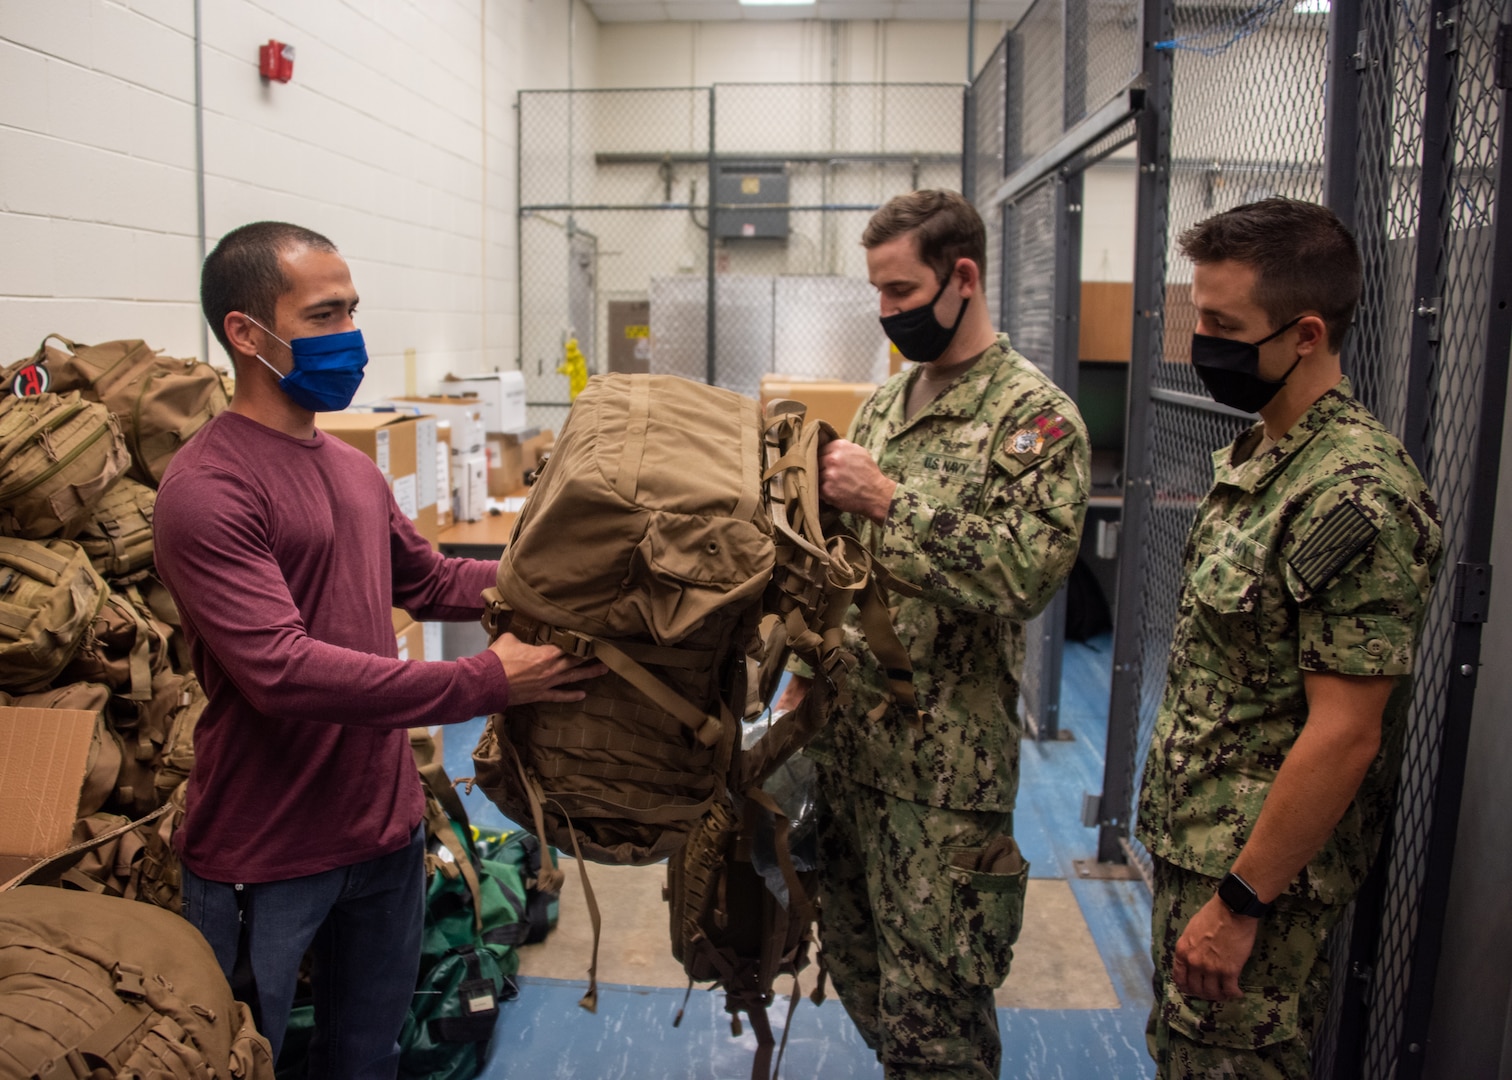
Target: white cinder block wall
(97, 190)
(1109, 189)
(395, 138)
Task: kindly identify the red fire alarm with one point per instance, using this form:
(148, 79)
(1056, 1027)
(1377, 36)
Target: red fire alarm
(275, 60)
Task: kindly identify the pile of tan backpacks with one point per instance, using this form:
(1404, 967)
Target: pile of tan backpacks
(92, 984)
(86, 433)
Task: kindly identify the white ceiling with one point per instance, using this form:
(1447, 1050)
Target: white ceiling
(608, 11)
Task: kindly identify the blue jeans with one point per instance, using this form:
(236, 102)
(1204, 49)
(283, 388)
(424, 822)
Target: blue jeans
(363, 924)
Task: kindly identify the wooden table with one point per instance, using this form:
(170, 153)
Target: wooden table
(485, 539)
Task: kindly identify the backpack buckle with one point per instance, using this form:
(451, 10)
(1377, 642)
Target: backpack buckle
(569, 641)
(128, 981)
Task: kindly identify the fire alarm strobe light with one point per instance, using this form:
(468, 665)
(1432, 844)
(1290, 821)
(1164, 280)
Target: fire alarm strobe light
(275, 60)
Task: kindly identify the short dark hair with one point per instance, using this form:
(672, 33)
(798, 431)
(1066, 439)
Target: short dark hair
(1303, 257)
(243, 274)
(946, 225)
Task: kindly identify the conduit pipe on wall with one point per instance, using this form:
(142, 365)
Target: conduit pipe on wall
(971, 28)
(485, 295)
(199, 165)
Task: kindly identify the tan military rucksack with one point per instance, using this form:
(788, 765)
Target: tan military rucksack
(112, 854)
(646, 543)
(125, 647)
(96, 986)
(178, 749)
(676, 535)
(118, 534)
(49, 596)
(58, 455)
(158, 400)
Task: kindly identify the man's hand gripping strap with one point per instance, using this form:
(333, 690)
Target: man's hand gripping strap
(822, 568)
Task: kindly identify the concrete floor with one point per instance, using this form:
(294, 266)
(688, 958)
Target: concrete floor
(1073, 1009)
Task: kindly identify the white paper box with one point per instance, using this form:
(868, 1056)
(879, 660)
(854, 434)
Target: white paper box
(501, 396)
(465, 418)
(472, 486)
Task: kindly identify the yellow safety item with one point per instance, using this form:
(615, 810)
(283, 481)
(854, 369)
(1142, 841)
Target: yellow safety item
(575, 367)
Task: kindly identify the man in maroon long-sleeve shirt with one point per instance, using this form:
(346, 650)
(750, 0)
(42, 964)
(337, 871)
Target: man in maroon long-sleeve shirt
(285, 550)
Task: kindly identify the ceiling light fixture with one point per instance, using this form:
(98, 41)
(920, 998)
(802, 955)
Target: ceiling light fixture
(777, 3)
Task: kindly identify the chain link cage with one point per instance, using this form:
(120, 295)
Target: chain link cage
(1235, 111)
(1225, 149)
(1061, 63)
(1427, 80)
(1030, 318)
(631, 201)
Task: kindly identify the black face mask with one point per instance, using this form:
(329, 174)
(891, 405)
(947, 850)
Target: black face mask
(1231, 370)
(918, 334)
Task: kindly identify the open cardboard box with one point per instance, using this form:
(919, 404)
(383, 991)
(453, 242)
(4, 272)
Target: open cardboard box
(44, 759)
(827, 399)
(399, 444)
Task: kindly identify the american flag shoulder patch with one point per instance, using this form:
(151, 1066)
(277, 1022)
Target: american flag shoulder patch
(1342, 534)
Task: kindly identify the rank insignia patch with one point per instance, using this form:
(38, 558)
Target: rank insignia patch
(1342, 534)
(1028, 443)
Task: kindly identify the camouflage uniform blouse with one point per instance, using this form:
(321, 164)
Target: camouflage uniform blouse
(992, 486)
(1315, 555)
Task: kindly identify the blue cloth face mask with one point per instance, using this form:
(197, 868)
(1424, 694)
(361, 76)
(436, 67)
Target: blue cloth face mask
(327, 369)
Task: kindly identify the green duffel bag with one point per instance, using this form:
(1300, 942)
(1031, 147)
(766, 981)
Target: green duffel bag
(456, 1009)
(521, 849)
(470, 900)
(464, 970)
(294, 1057)
(58, 456)
(49, 596)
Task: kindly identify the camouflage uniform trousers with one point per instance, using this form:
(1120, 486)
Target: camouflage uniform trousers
(914, 943)
(1267, 1033)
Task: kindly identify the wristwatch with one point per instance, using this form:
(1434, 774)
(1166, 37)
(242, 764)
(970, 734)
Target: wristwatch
(1237, 895)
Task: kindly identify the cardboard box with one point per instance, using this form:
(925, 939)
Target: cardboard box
(512, 455)
(506, 468)
(895, 361)
(827, 399)
(472, 486)
(443, 485)
(44, 759)
(396, 442)
(536, 448)
(464, 414)
(411, 640)
(500, 393)
(446, 485)
(417, 640)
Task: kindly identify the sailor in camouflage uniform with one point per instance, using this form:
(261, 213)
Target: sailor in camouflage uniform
(1308, 569)
(968, 478)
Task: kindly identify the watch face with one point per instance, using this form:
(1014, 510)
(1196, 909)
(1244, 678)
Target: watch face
(1239, 897)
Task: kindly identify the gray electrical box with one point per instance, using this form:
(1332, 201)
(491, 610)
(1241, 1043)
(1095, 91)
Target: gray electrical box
(746, 193)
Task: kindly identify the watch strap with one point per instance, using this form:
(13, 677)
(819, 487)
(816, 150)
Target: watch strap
(1239, 897)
